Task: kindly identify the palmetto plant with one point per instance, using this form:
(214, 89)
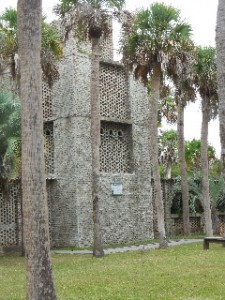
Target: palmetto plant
(193, 156)
(87, 18)
(216, 188)
(10, 136)
(195, 201)
(51, 47)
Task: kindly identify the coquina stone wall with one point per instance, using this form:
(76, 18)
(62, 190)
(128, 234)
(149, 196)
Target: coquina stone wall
(124, 153)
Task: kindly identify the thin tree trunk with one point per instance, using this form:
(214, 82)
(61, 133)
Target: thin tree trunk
(182, 165)
(95, 141)
(154, 101)
(220, 47)
(168, 168)
(205, 175)
(35, 211)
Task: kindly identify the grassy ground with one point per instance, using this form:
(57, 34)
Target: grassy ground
(181, 272)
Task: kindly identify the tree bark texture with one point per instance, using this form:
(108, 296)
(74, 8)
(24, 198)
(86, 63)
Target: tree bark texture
(220, 48)
(168, 169)
(35, 210)
(182, 165)
(95, 141)
(154, 152)
(204, 168)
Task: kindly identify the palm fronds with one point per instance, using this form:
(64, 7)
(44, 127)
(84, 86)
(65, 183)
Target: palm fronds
(205, 78)
(87, 17)
(51, 46)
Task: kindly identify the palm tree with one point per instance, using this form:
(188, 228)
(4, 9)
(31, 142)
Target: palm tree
(35, 210)
(167, 106)
(168, 150)
(89, 18)
(149, 47)
(205, 81)
(8, 37)
(180, 71)
(182, 165)
(50, 52)
(10, 136)
(220, 53)
(193, 157)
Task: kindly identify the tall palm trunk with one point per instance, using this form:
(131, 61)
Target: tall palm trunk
(220, 47)
(182, 165)
(204, 167)
(153, 121)
(35, 211)
(95, 141)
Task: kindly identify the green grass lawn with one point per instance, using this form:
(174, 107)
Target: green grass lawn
(180, 272)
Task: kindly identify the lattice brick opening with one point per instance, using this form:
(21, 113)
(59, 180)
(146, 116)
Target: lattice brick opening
(113, 92)
(107, 48)
(9, 215)
(221, 225)
(49, 147)
(46, 101)
(195, 225)
(116, 148)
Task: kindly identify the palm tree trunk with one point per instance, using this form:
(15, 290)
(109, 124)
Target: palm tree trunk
(205, 175)
(182, 165)
(153, 120)
(95, 141)
(168, 168)
(35, 210)
(220, 47)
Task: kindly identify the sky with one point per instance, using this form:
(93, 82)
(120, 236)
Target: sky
(201, 15)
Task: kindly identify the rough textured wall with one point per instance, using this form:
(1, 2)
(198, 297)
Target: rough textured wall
(71, 209)
(128, 217)
(140, 135)
(124, 218)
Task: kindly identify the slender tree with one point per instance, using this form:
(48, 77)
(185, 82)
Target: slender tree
(150, 45)
(35, 210)
(180, 71)
(183, 172)
(220, 53)
(205, 80)
(89, 18)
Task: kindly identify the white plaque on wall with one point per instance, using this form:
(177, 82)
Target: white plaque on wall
(117, 189)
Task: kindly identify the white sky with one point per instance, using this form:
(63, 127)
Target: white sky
(201, 15)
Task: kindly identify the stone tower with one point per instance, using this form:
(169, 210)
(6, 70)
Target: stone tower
(125, 192)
